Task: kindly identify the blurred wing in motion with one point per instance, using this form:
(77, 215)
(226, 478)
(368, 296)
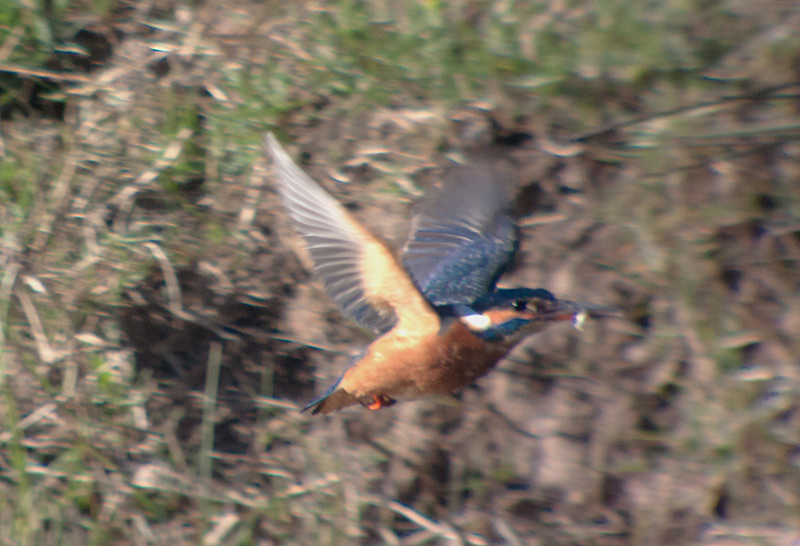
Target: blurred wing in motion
(358, 270)
(463, 238)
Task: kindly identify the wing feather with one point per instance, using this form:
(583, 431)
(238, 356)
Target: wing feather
(463, 238)
(359, 272)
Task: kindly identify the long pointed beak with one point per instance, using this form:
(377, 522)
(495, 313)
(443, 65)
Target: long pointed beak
(558, 310)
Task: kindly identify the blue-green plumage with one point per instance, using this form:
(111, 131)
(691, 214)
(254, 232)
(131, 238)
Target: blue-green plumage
(463, 238)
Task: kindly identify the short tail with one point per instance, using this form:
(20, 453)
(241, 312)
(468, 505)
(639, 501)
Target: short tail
(333, 399)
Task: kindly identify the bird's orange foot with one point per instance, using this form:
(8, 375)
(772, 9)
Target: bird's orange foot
(380, 401)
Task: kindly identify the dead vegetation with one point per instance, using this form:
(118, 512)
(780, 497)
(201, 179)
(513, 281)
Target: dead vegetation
(159, 331)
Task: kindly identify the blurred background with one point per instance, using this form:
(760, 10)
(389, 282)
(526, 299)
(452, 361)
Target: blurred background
(159, 328)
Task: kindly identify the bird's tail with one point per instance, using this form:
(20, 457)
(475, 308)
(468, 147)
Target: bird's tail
(332, 399)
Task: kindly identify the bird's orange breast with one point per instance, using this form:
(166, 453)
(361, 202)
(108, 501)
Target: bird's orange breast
(401, 366)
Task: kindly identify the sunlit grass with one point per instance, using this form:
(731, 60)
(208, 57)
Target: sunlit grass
(93, 451)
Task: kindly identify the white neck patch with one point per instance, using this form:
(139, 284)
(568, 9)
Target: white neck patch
(579, 319)
(477, 322)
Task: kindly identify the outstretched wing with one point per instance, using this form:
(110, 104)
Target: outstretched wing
(359, 272)
(463, 238)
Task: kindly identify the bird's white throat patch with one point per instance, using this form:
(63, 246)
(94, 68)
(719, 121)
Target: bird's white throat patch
(477, 322)
(579, 320)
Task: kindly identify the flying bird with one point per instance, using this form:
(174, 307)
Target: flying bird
(440, 319)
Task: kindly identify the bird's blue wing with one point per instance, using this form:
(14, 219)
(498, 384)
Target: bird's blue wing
(463, 238)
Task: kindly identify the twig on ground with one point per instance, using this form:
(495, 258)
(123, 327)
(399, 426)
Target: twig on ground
(55, 203)
(6, 286)
(170, 279)
(46, 353)
(44, 74)
(209, 410)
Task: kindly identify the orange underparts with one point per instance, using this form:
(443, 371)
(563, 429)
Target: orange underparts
(380, 401)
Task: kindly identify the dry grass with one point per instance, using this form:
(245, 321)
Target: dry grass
(159, 332)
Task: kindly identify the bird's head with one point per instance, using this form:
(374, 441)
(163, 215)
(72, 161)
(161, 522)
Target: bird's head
(512, 313)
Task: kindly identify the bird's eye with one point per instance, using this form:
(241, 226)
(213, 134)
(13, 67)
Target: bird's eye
(519, 305)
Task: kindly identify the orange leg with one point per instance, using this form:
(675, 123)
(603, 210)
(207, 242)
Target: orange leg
(380, 401)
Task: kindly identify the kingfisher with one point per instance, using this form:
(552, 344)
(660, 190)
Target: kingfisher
(440, 319)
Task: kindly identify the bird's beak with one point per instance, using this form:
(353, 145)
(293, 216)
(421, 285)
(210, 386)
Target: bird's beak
(558, 310)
